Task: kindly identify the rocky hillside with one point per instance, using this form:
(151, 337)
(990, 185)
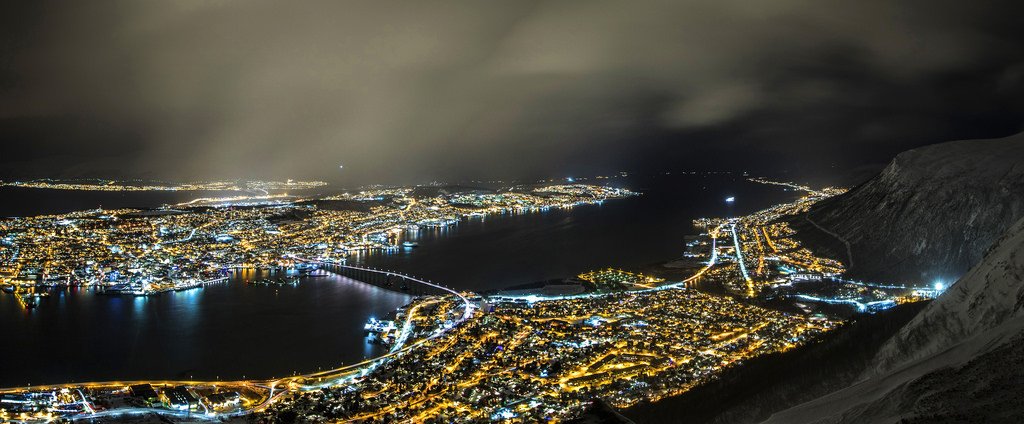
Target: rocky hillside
(933, 213)
(929, 216)
(958, 359)
(990, 296)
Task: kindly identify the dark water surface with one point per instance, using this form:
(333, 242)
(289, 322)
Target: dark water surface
(225, 330)
(21, 201)
(235, 329)
(499, 251)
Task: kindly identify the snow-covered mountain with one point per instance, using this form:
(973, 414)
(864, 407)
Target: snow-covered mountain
(929, 216)
(962, 357)
(988, 298)
(952, 212)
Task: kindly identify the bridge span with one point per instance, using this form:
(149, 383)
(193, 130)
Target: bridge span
(278, 387)
(387, 280)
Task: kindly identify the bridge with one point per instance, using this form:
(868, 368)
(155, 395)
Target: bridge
(387, 280)
(276, 388)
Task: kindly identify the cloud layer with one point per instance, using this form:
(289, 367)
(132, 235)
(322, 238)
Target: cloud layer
(414, 91)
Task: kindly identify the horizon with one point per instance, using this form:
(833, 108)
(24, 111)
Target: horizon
(699, 211)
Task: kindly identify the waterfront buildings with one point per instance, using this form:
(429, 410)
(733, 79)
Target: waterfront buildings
(130, 251)
(459, 357)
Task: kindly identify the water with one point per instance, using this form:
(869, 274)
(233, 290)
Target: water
(227, 330)
(233, 329)
(496, 252)
(20, 201)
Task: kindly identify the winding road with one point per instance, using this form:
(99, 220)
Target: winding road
(294, 383)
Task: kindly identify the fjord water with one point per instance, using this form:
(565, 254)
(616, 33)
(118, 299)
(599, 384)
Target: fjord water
(227, 331)
(498, 251)
(21, 201)
(234, 329)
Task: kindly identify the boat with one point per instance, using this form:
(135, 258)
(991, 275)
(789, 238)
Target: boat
(410, 244)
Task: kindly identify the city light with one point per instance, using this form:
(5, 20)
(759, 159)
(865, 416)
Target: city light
(628, 337)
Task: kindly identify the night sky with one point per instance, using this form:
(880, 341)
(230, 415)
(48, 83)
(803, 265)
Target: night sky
(416, 91)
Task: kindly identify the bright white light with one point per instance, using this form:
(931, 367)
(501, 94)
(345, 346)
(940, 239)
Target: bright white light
(730, 199)
(939, 286)
(341, 166)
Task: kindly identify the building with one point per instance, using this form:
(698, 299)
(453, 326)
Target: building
(180, 398)
(145, 392)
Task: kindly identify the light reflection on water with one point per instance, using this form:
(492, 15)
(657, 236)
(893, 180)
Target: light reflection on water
(224, 330)
(494, 252)
(237, 328)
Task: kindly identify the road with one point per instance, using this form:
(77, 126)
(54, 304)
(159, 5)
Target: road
(284, 385)
(739, 259)
(278, 388)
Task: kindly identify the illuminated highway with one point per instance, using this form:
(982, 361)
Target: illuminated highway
(551, 354)
(739, 260)
(276, 387)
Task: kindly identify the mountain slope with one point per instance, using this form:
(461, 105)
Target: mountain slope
(961, 353)
(929, 216)
(989, 296)
(933, 214)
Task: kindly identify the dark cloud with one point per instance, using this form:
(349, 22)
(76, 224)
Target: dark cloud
(420, 90)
